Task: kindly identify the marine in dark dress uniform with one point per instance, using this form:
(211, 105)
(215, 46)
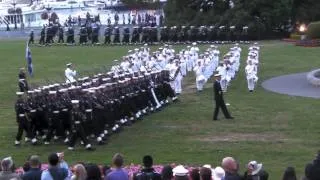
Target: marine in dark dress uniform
(23, 84)
(218, 96)
(77, 130)
(22, 109)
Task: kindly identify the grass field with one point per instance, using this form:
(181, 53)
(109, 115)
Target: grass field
(275, 129)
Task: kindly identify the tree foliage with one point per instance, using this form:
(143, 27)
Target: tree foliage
(259, 15)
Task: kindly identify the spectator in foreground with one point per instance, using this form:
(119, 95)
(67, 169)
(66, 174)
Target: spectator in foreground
(54, 172)
(230, 167)
(147, 172)
(118, 173)
(180, 173)
(34, 172)
(219, 173)
(93, 172)
(312, 170)
(166, 173)
(255, 172)
(7, 168)
(289, 174)
(195, 174)
(205, 173)
(79, 173)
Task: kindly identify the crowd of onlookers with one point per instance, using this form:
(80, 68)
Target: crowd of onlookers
(58, 169)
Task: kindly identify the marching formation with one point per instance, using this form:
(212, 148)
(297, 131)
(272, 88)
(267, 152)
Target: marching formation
(91, 108)
(252, 67)
(91, 33)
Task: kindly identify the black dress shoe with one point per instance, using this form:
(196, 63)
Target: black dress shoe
(230, 117)
(216, 119)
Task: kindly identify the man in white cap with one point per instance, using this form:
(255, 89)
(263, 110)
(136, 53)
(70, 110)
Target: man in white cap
(200, 78)
(251, 74)
(255, 171)
(219, 173)
(179, 172)
(70, 74)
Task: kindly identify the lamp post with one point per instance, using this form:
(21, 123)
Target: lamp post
(302, 30)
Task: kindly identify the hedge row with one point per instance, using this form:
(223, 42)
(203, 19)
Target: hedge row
(314, 30)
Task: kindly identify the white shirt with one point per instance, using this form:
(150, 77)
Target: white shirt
(70, 75)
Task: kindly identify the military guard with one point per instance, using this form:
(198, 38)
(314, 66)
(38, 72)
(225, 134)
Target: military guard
(22, 83)
(24, 122)
(219, 101)
(31, 37)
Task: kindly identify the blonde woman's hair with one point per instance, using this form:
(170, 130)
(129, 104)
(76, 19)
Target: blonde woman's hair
(80, 172)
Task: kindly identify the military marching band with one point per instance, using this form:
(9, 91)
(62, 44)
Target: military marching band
(92, 108)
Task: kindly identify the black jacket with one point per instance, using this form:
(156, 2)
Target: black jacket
(147, 174)
(312, 170)
(218, 94)
(32, 174)
(230, 176)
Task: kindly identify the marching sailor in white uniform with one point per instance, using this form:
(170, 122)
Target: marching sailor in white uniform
(251, 73)
(199, 70)
(70, 74)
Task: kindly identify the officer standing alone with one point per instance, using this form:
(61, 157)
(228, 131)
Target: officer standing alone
(218, 95)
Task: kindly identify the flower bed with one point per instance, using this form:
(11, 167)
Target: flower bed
(308, 43)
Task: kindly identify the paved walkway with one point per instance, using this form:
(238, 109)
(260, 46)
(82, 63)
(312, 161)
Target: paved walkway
(292, 84)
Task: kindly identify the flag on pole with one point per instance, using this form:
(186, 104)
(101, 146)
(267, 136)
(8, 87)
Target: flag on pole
(29, 60)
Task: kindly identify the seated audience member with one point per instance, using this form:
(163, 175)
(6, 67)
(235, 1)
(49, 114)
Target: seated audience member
(219, 173)
(79, 172)
(312, 170)
(255, 172)
(230, 167)
(35, 172)
(205, 173)
(289, 174)
(195, 174)
(7, 168)
(166, 173)
(118, 173)
(93, 172)
(54, 172)
(180, 173)
(147, 172)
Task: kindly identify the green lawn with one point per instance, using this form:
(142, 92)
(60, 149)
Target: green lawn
(275, 129)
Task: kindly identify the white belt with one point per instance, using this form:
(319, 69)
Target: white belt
(33, 110)
(77, 122)
(55, 112)
(22, 115)
(88, 110)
